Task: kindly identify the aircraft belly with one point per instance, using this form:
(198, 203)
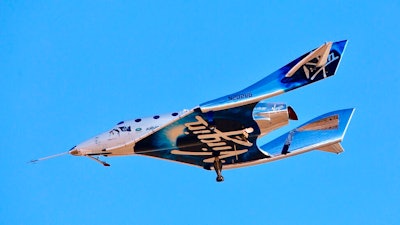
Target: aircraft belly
(198, 138)
(121, 150)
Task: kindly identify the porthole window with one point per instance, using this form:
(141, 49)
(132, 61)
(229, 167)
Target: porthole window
(156, 117)
(174, 114)
(138, 120)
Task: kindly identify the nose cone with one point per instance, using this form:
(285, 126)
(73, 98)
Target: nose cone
(91, 146)
(74, 151)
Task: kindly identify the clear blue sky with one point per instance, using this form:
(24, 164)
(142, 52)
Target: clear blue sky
(72, 69)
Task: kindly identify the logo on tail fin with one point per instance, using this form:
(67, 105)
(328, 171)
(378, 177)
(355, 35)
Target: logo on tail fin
(311, 69)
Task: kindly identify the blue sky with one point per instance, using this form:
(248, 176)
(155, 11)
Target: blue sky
(72, 69)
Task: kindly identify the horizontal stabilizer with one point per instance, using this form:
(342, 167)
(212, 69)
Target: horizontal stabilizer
(322, 133)
(328, 123)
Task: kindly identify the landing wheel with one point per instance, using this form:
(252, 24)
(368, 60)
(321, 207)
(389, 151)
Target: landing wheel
(218, 169)
(212, 126)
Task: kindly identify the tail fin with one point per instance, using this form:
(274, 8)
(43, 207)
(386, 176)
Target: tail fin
(313, 66)
(317, 64)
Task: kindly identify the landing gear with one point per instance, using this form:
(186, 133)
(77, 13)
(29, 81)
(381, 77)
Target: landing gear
(285, 149)
(98, 160)
(218, 169)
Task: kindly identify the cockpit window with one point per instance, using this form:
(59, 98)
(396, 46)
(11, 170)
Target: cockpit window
(125, 128)
(120, 123)
(138, 120)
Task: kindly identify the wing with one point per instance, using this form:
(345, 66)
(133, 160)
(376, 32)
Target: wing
(318, 64)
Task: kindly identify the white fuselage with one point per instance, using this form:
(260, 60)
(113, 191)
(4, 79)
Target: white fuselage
(121, 139)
